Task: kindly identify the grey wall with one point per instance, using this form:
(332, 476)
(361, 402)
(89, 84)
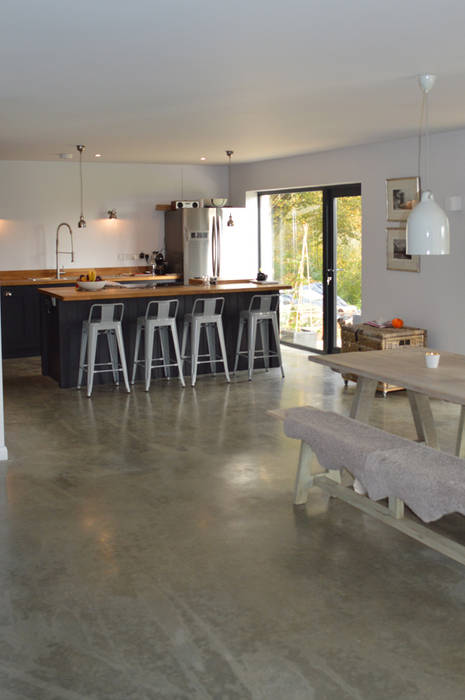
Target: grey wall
(36, 196)
(432, 299)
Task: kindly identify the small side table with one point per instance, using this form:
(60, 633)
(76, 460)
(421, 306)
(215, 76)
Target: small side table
(364, 337)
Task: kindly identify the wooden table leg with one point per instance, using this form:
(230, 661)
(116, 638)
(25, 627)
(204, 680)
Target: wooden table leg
(459, 447)
(361, 403)
(423, 418)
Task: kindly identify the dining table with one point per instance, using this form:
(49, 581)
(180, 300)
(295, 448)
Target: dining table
(405, 367)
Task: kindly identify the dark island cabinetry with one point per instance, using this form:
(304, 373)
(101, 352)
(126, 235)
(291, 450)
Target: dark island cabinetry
(64, 310)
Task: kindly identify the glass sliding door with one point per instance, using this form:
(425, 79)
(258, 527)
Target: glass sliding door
(291, 250)
(347, 261)
(311, 240)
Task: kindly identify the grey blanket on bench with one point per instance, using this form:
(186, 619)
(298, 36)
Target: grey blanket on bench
(430, 482)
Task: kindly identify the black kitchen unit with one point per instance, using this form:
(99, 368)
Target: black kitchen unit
(20, 321)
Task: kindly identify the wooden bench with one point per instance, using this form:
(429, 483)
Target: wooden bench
(310, 473)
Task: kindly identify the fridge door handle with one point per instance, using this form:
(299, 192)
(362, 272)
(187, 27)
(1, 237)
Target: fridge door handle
(213, 245)
(218, 246)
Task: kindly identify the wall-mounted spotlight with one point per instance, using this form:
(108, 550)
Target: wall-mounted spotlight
(112, 214)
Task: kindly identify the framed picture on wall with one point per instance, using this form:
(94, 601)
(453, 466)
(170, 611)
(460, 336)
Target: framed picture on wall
(397, 256)
(402, 195)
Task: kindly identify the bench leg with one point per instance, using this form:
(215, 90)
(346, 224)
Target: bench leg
(459, 447)
(423, 418)
(304, 477)
(307, 470)
(364, 394)
(396, 507)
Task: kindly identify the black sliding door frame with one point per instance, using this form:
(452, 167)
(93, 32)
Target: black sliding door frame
(330, 195)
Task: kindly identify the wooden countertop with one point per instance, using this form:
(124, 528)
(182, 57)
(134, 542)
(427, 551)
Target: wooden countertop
(73, 294)
(71, 277)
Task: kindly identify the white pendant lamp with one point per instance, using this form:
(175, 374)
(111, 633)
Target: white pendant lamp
(427, 225)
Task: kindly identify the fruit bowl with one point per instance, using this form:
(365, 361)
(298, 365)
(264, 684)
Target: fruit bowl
(91, 286)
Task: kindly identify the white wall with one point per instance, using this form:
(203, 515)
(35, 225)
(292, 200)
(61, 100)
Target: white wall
(36, 196)
(434, 298)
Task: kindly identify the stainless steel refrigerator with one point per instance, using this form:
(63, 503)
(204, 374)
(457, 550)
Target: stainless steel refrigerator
(198, 242)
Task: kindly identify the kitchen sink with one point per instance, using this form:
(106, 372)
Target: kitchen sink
(52, 279)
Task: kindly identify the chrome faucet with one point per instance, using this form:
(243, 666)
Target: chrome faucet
(63, 252)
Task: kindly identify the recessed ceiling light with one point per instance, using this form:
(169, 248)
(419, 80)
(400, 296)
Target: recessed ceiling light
(203, 158)
(66, 156)
(98, 155)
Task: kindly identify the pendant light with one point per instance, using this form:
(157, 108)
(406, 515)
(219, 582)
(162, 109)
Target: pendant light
(229, 153)
(82, 221)
(427, 224)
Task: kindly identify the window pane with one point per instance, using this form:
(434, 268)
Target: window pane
(348, 260)
(292, 252)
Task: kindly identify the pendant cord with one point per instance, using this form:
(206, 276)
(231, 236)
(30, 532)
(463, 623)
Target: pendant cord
(420, 140)
(82, 185)
(427, 145)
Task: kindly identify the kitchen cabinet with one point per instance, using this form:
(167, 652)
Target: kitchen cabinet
(20, 321)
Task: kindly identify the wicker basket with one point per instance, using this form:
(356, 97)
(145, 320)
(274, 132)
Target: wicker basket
(363, 337)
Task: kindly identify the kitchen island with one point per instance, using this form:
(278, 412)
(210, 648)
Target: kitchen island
(64, 308)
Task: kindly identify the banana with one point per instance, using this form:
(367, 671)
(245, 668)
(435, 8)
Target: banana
(91, 275)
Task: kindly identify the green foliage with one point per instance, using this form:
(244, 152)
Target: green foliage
(299, 215)
(295, 214)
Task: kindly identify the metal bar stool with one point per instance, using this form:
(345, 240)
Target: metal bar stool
(160, 315)
(262, 311)
(206, 313)
(103, 319)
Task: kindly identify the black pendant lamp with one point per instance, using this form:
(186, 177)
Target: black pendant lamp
(82, 221)
(229, 153)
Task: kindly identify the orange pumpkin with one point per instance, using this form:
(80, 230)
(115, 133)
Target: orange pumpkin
(397, 323)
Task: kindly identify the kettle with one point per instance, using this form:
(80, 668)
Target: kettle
(161, 268)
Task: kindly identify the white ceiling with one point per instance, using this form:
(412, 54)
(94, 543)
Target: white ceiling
(168, 81)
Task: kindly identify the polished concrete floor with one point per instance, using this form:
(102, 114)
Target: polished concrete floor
(149, 549)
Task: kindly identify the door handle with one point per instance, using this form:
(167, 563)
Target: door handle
(336, 269)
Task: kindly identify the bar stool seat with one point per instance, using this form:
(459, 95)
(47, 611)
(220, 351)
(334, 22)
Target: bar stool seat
(262, 313)
(160, 315)
(206, 313)
(103, 319)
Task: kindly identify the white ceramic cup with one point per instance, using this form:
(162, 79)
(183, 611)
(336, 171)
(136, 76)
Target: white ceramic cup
(432, 359)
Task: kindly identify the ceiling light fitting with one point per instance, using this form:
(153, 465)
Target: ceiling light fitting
(229, 153)
(82, 221)
(427, 224)
(112, 214)
(98, 155)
